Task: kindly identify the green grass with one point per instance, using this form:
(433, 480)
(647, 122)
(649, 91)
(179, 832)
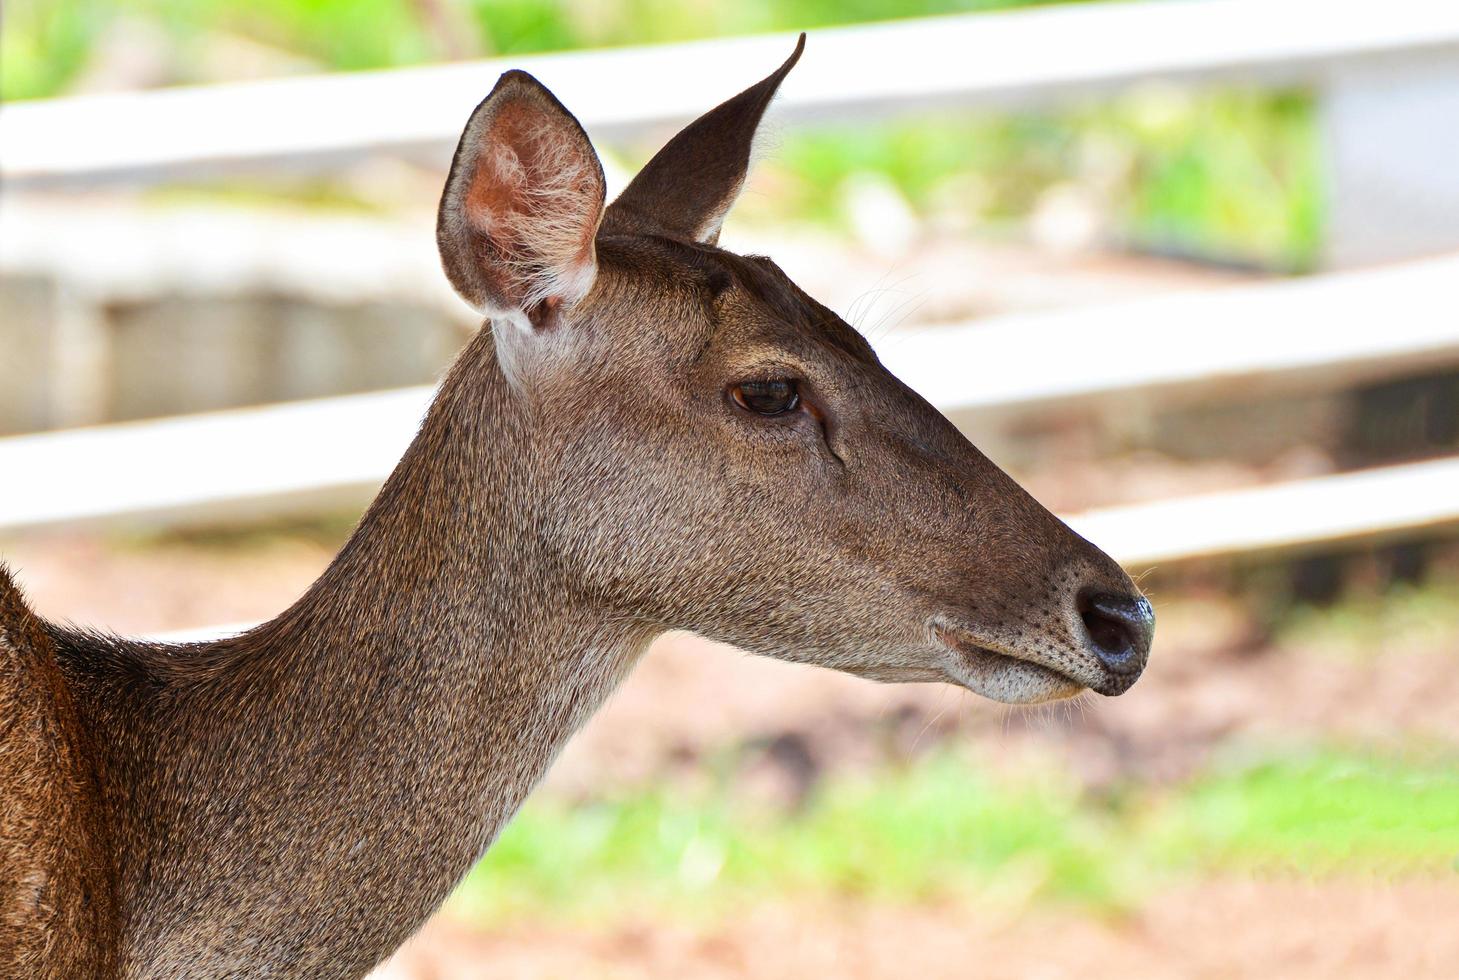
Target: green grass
(44, 46)
(1319, 814)
(944, 828)
(1230, 175)
(1367, 625)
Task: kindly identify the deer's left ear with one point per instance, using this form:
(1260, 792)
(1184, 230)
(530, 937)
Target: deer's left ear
(521, 206)
(687, 188)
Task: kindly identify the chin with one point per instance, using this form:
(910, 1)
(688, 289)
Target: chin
(1002, 678)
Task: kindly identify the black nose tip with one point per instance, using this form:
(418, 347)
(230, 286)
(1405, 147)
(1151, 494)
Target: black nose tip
(1120, 629)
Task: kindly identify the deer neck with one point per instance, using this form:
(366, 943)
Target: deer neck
(323, 782)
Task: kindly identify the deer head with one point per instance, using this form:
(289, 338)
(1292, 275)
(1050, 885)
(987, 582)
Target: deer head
(654, 434)
(720, 453)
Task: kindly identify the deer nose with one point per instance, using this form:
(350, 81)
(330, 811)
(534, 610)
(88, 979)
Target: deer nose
(1120, 629)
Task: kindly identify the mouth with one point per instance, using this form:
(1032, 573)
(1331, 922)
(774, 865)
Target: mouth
(1002, 676)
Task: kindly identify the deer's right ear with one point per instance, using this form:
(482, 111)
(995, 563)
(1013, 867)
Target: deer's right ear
(521, 206)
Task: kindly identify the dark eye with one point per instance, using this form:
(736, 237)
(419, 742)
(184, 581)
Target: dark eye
(767, 397)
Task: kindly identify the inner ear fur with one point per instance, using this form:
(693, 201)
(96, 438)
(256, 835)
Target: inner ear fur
(522, 204)
(686, 190)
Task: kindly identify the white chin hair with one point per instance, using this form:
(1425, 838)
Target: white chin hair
(1016, 682)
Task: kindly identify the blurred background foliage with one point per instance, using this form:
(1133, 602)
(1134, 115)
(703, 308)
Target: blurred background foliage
(1228, 177)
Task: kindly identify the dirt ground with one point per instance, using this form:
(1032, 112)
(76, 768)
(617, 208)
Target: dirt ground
(1221, 929)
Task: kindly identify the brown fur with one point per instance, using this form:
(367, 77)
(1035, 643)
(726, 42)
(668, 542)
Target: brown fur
(55, 861)
(295, 801)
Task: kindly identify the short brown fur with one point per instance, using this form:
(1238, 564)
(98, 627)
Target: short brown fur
(56, 893)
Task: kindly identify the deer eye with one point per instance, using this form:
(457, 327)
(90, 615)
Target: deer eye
(774, 397)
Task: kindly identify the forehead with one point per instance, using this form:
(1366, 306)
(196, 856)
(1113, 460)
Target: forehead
(723, 290)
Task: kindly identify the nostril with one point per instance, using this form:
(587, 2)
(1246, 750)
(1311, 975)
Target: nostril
(1120, 629)
(1110, 638)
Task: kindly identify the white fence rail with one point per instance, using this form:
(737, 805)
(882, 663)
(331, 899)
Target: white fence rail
(1385, 502)
(1342, 328)
(255, 462)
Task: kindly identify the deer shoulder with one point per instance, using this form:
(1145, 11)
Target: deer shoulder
(54, 901)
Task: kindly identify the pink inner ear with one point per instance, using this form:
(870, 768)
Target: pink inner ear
(498, 187)
(522, 206)
(531, 192)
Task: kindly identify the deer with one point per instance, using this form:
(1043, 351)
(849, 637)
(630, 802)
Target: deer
(649, 433)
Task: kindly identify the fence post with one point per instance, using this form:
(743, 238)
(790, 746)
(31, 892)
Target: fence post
(1390, 139)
